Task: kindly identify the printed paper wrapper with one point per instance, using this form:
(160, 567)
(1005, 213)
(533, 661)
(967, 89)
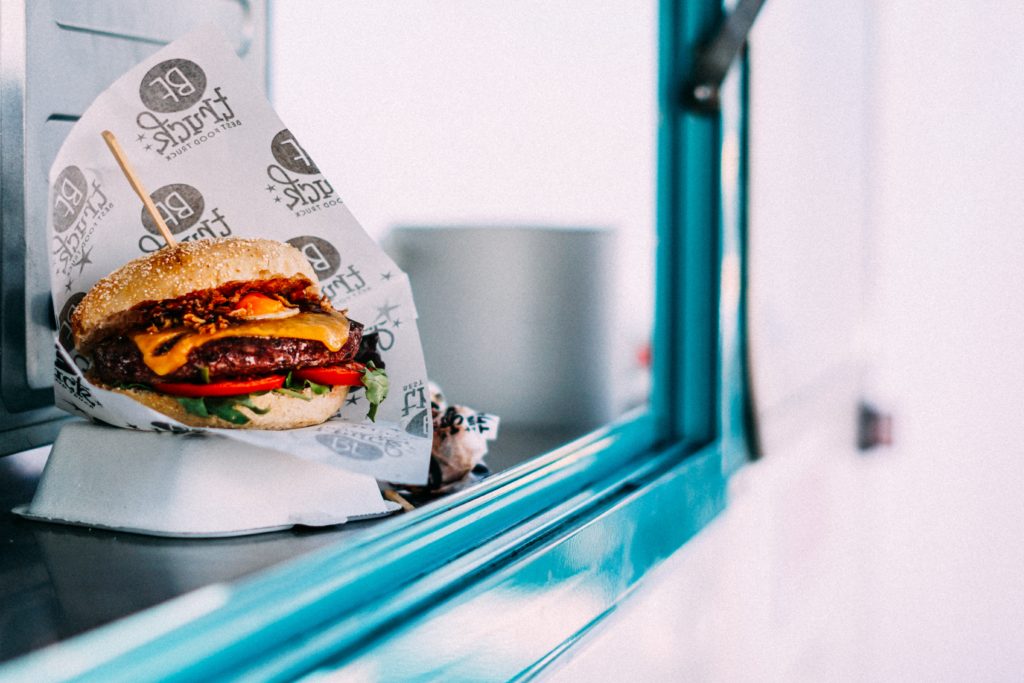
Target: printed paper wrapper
(219, 162)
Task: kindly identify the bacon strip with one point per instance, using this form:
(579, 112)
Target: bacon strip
(209, 309)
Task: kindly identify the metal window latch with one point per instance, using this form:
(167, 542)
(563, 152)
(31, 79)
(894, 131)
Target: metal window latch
(701, 95)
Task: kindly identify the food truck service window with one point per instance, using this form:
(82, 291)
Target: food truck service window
(565, 189)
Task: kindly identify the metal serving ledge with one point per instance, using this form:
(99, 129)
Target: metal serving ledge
(58, 581)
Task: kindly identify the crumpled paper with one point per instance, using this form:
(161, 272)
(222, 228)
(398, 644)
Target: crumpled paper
(460, 442)
(218, 161)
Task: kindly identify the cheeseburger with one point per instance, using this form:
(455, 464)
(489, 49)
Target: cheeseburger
(225, 333)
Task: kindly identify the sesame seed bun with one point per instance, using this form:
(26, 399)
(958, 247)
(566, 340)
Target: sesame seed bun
(285, 412)
(175, 271)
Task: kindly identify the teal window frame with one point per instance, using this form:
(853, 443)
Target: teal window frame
(588, 519)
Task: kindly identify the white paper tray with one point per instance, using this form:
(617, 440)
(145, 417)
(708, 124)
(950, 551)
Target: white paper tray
(191, 485)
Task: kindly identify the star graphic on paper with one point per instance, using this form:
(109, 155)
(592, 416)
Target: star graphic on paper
(384, 312)
(81, 263)
(148, 147)
(67, 285)
(397, 322)
(142, 136)
(277, 198)
(385, 276)
(351, 400)
(271, 188)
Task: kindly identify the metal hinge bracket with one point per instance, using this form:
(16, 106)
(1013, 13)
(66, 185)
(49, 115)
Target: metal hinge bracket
(713, 60)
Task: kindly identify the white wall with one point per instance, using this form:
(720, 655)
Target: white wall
(905, 564)
(464, 111)
(947, 181)
(808, 212)
(484, 112)
(948, 184)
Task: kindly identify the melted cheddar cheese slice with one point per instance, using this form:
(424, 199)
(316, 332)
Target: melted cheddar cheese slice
(331, 330)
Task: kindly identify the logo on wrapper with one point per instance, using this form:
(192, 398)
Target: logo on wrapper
(367, 442)
(69, 195)
(78, 206)
(335, 281)
(182, 112)
(295, 180)
(320, 253)
(66, 378)
(172, 86)
(184, 211)
(290, 154)
(414, 397)
(419, 425)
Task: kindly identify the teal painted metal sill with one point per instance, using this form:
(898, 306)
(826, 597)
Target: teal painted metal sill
(224, 630)
(567, 534)
(539, 590)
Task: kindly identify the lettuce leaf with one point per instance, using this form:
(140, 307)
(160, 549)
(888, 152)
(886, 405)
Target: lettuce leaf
(376, 383)
(226, 408)
(296, 388)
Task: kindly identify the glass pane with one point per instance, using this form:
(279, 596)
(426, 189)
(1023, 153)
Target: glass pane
(504, 154)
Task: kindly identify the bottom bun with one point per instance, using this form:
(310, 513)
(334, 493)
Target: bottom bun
(286, 412)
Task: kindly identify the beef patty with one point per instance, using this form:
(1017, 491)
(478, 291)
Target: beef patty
(118, 361)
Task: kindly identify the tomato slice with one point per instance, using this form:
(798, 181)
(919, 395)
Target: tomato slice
(222, 388)
(348, 375)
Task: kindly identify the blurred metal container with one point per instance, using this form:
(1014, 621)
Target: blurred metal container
(515, 321)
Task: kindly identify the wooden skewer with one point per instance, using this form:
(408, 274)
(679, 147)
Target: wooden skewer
(395, 497)
(133, 180)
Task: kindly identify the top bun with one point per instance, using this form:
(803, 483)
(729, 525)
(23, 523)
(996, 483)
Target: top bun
(175, 271)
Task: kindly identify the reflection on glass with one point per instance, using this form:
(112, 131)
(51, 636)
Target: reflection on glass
(504, 154)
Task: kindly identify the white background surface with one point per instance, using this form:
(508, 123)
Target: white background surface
(486, 112)
(904, 565)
